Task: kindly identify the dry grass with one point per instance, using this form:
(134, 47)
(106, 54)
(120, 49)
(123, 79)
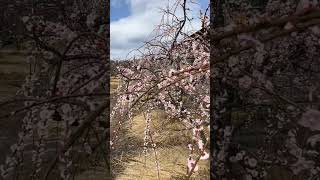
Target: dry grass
(172, 165)
(114, 83)
(13, 63)
(171, 148)
(97, 174)
(165, 132)
(13, 68)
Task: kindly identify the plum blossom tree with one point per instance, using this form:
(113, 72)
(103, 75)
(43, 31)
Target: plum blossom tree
(170, 72)
(64, 100)
(264, 90)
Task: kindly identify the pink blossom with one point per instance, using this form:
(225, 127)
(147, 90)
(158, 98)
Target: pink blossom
(200, 144)
(191, 164)
(204, 155)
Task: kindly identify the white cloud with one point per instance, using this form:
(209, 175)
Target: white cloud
(130, 32)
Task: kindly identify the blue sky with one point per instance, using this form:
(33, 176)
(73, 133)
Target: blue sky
(133, 20)
(119, 9)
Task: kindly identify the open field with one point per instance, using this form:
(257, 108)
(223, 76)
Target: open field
(172, 151)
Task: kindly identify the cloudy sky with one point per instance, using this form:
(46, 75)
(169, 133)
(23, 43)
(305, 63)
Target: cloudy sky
(132, 21)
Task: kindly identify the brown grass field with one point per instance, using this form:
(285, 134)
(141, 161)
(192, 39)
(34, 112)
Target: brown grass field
(129, 162)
